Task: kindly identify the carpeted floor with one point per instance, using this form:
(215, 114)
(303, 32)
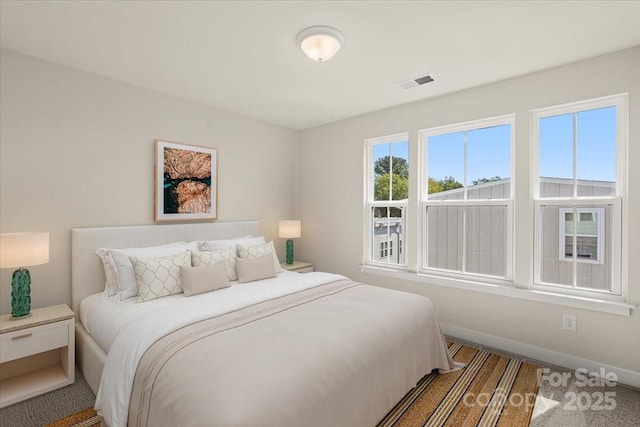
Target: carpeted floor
(575, 403)
(49, 407)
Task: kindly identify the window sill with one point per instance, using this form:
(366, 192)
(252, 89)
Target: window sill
(594, 304)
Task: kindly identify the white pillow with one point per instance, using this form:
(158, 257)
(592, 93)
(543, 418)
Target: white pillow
(250, 269)
(255, 251)
(210, 245)
(159, 277)
(125, 278)
(226, 256)
(110, 271)
(197, 280)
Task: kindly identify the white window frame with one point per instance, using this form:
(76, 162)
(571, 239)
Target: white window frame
(562, 236)
(370, 203)
(618, 218)
(425, 202)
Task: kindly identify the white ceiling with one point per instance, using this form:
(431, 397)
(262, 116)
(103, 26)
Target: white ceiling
(242, 57)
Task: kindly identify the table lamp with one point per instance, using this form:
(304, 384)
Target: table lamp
(289, 230)
(22, 250)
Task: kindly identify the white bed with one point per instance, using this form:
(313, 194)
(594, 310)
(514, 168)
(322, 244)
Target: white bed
(87, 274)
(317, 349)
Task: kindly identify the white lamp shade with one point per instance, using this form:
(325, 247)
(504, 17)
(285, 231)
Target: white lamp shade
(23, 249)
(290, 229)
(320, 43)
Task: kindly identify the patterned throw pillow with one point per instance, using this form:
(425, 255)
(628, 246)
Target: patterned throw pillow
(118, 268)
(226, 255)
(159, 277)
(258, 251)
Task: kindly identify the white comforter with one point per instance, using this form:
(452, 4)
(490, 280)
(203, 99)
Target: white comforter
(141, 330)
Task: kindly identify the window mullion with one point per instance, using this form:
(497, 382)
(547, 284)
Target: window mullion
(464, 167)
(390, 174)
(388, 231)
(464, 238)
(575, 155)
(574, 253)
(472, 202)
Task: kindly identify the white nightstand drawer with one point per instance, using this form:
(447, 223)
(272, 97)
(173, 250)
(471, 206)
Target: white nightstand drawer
(39, 339)
(305, 270)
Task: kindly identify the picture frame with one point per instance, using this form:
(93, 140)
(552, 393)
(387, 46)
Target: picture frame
(186, 182)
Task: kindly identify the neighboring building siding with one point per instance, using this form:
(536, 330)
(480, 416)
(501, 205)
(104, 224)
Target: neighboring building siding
(445, 240)
(486, 239)
(555, 270)
(389, 231)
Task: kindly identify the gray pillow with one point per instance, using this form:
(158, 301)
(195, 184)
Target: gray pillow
(250, 269)
(196, 280)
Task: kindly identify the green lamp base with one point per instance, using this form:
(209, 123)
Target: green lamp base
(12, 317)
(21, 294)
(289, 247)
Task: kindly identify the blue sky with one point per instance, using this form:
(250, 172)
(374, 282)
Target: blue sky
(489, 154)
(489, 149)
(596, 132)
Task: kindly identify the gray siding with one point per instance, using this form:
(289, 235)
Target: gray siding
(486, 239)
(444, 237)
(555, 270)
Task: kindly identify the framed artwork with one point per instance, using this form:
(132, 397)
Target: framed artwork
(186, 182)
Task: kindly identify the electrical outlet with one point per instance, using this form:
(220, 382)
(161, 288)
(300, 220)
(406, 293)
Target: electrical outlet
(569, 322)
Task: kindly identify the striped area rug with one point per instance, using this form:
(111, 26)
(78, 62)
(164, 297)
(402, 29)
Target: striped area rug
(491, 390)
(85, 418)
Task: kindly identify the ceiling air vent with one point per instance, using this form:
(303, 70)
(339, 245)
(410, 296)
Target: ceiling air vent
(415, 82)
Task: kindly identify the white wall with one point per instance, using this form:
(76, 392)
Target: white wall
(330, 197)
(77, 150)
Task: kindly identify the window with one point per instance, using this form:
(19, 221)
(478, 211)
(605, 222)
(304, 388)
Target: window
(387, 193)
(573, 217)
(467, 200)
(578, 188)
(589, 234)
(386, 249)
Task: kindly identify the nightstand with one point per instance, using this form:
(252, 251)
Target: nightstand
(298, 267)
(37, 353)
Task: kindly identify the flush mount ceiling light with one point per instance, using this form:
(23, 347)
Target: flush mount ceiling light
(320, 43)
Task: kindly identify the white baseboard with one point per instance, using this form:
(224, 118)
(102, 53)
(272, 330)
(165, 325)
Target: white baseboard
(542, 354)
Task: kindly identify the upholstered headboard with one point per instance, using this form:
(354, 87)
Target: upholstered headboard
(87, 274)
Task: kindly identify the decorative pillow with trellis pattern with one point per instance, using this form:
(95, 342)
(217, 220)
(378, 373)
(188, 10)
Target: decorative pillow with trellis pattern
(257, 251)
(159, 277)
(215, 256)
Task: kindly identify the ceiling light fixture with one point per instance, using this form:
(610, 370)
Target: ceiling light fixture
(320, 43)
